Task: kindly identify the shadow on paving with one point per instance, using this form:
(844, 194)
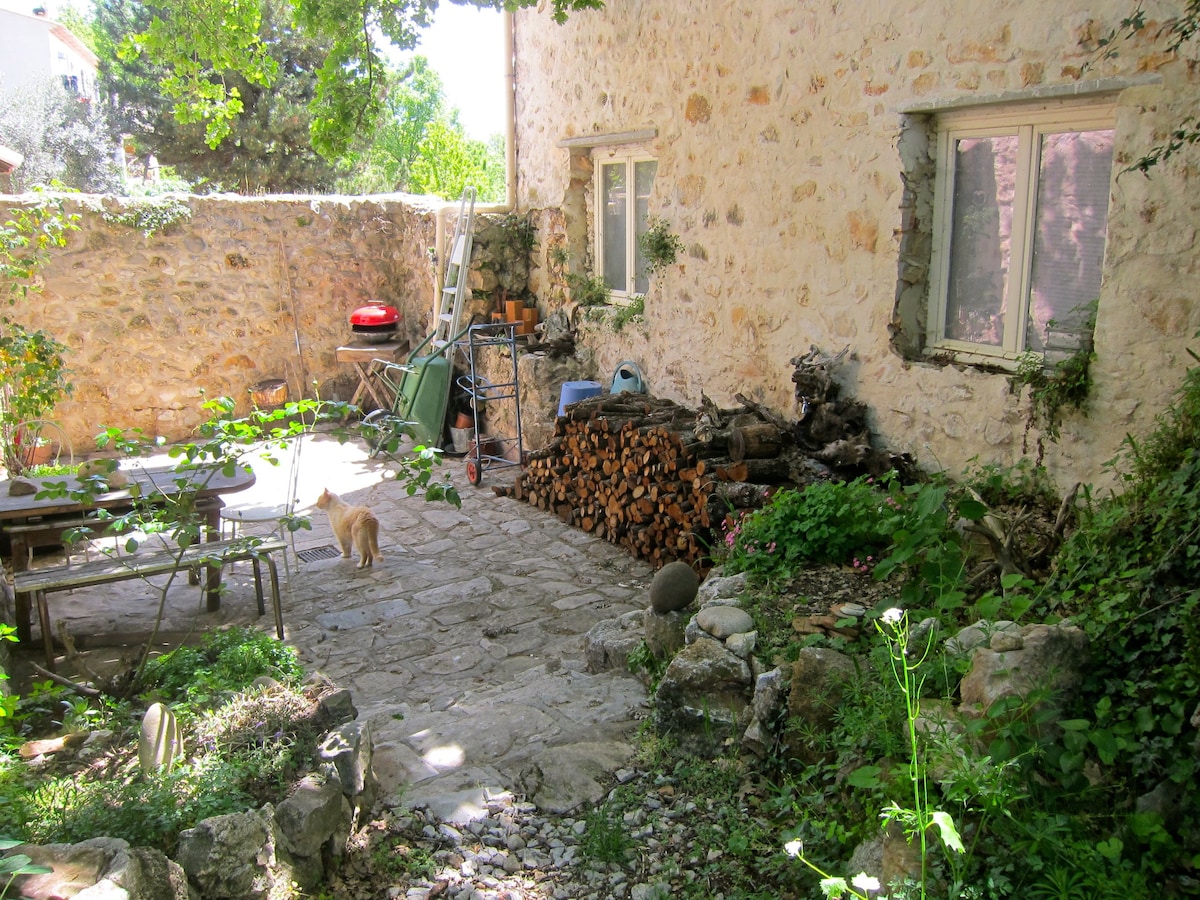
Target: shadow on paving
(463, 649)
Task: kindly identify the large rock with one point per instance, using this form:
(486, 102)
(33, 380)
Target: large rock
(346, 754)
(560, 779)
(674, 587)
(310, 815)
(705, 688)
(766, 707)
(1045, 656)
(718, 588)
(607, 644)
(664, 632)
(818, 683)
(228, 856)
(102, 867)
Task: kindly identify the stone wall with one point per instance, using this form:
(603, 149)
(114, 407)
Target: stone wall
(247, 290)
(783, 138)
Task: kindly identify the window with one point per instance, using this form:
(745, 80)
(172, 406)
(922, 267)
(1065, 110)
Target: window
(1020, 212)
(622, 213)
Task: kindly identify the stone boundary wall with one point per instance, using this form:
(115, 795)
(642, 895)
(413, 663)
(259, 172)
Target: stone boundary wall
(783, 165)
(247, 290)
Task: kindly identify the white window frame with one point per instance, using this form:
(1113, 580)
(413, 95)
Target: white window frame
(1028, 122)
(629, 158)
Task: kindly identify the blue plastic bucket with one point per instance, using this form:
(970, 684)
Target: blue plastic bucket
(573, 391)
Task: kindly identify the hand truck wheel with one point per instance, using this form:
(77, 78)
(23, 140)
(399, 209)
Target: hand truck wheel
(474, 471)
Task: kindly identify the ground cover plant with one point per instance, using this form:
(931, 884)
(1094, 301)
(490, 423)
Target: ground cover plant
(243, 744)
(1083, 795)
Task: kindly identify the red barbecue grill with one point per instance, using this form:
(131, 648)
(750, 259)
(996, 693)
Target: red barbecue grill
(375, 323)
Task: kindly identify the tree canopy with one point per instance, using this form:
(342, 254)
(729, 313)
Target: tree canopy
(267, 149)
(199, 43)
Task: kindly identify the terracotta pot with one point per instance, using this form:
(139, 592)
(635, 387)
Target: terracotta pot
(529, 318)
(464, 421)
(512, 311)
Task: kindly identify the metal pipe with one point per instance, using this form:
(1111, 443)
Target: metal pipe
(510, 162)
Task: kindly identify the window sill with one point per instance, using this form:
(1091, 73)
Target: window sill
(1000, 363)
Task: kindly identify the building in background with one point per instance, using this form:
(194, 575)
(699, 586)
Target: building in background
(35, 49)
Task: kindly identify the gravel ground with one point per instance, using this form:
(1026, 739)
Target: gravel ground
(516, 853)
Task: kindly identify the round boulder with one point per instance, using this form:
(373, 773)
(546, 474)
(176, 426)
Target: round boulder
(674, 587)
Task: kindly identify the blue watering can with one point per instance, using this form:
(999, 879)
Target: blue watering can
(628, 379)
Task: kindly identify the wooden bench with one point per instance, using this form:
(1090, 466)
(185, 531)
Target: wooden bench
(216, 554)
(47, 532)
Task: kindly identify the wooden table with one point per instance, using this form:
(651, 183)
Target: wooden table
(361, 355)
(58, 514)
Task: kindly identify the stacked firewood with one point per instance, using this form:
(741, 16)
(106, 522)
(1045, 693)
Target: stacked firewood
(644, 472)
(661, 480)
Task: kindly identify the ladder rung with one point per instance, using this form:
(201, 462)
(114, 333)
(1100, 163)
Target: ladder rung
(453, 289)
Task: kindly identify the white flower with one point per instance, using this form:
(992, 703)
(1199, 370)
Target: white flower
(794, 848)
(893, 616)
(862, 880)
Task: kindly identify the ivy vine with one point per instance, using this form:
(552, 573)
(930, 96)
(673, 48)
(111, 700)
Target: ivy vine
(152, 215)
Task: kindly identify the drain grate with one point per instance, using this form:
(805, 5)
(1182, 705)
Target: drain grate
(315, 553)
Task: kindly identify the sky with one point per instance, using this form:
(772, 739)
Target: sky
(465, 45)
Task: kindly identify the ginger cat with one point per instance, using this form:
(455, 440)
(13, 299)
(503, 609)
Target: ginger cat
(352, 525)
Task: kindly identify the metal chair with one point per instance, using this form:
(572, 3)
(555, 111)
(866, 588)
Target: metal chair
(261, 513)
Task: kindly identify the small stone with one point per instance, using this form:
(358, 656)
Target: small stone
(22, 487)
(1004, 641)
(742, 643)
(674, 587)
(722, 621)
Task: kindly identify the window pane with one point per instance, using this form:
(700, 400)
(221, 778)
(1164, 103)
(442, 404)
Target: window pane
(643, 178)
(613, 228)
(1068, 244)
(985, 172)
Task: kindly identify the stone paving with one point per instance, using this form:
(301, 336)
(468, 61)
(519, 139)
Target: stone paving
(463, 649)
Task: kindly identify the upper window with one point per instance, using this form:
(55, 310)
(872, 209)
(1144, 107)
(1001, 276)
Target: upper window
(1021, 205)
(623, 184)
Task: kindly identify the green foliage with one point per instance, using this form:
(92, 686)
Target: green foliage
(659, 245)
(397, 860)
(64, 142)
(227, 661)
(1066, 384)
(1024, 483)
(605, 839)
(26, 240)
(632, 312)
(449, 161)
(151, 215)
(827, 521)
(587, 290)
(348, 99)
(16, 864)
(33, 372)
(245, 746)
(642, 661)
(1164, 451)
(1174, 32)
(268, 148)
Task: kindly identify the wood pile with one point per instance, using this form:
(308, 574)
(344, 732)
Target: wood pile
(660, 479)
(651, 475)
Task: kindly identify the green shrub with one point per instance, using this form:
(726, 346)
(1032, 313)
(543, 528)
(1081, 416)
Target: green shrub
(825, 522)
(228, 661)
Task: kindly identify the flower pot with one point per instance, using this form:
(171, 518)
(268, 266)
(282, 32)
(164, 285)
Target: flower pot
(512, 312)
(463, 420)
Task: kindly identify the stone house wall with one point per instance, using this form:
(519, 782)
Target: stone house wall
(791, 141)
(247, 290)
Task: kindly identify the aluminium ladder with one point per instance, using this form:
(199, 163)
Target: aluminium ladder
(447, 323)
